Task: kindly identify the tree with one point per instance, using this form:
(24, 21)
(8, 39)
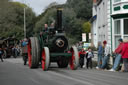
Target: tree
(72, 25)
(48, 17)
(11, 19)
(86, 28)
(83, 8)
(51, 5)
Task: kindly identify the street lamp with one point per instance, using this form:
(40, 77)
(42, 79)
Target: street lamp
(24, 24)
(24, 20)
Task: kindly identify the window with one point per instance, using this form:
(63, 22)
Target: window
(116, 41)
(126, 26)
(116, 1)
(117, 32)
(126, 37)
(117, 27)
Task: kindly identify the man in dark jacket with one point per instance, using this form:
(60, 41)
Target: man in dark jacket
(118, 55)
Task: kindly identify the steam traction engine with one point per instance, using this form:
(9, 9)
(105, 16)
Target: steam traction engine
(52, 46)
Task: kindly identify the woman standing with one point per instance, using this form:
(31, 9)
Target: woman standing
(124, 54)
(100, 55)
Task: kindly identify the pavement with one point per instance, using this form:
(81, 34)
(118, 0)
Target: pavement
(13, 72)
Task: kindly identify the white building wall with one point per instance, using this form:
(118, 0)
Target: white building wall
(109, 23)
(94, 33)
(94, 27)
(102, 21)
(94, 10)
(102, 25)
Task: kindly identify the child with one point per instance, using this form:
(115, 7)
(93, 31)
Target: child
(89, 57)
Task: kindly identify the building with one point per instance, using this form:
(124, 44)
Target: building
(119, 20)
(109, 21)
(101, 24)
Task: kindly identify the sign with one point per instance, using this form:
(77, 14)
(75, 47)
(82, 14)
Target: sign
(86, 45)
(83, 37)
(90, 36)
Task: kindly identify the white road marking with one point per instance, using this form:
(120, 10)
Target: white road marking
(33, 80)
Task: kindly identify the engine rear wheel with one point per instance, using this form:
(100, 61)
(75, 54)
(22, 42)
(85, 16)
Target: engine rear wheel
(74, 61)
(45, 58)
(37, 48)
(33, 56)
(62, 62)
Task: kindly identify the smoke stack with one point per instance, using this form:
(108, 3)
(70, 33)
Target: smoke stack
(59, 19)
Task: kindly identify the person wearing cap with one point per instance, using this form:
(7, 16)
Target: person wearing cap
(117, 53)
(124, 54)
(106, 55)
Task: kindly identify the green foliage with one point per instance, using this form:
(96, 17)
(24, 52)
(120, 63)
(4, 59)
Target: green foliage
(86, 28)
(83, 8)
(12, 19)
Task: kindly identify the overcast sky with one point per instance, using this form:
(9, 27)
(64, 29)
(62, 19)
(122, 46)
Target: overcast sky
(38, 6)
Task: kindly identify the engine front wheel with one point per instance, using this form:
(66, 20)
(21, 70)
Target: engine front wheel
(45, 59)
(74, 61)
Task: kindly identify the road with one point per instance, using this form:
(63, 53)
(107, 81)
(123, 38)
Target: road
(13, 72)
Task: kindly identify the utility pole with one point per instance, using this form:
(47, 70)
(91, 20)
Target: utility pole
(24, 23)
(24, 20)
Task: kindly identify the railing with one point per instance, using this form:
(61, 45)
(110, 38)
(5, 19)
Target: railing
(96, 58)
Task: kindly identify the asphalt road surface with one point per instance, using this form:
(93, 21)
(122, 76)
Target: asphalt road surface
(13, 72)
